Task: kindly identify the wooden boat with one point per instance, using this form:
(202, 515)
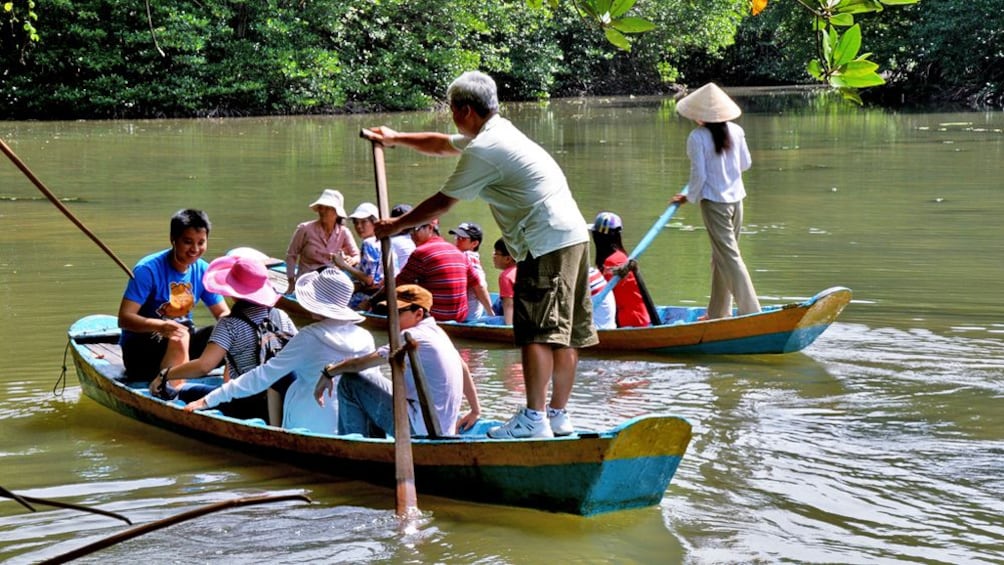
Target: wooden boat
(782, 328)
(776, 329)
(587, 473)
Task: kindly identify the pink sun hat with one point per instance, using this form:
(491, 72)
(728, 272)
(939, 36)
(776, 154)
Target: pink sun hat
(242, 278)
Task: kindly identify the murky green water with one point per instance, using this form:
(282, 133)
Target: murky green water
(881, 443)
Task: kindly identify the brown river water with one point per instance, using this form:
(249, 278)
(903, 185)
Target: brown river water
(883, 442)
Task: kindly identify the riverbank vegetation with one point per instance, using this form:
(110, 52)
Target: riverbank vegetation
(98, 59)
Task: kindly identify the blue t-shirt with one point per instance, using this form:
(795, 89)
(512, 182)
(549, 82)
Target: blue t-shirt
(369, 260)
(162, 292)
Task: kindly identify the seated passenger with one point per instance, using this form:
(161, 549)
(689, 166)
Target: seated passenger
(315, 241)
(467, 237)
(401, 243)
(367, 276)
(335, 337)
(605, 312)
(610, 255)
(156, 309)
(237, 337)
(441, 269)
(503, 260)
(365, 400)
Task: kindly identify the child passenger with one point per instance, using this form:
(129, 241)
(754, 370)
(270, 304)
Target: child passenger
(631, 310)
(503, 260)
(467, 237)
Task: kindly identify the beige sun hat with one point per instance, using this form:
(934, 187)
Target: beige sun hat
(332, 199)
(708, 104)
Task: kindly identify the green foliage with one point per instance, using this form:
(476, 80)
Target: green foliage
(951, 50)
(99, 58)
(838, 62)
(611, 16)
(102, 58)
(22, 17)
(935, 49)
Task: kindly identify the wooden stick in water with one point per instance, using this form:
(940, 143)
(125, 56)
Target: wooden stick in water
(169, 521)
(66, 212)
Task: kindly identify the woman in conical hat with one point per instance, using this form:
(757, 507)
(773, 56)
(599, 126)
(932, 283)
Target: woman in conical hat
(718, 156)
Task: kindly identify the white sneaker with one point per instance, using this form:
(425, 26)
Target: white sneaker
(561, 424)
(520, 426)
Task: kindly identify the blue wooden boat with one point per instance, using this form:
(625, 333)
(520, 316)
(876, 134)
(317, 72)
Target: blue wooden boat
(587, 473)
(777, 328)
(782, 328)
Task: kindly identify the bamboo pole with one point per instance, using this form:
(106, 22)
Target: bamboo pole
(66, 212)
(169, 521)
(407, 499)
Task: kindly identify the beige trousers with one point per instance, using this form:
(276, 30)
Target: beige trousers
(729, 277)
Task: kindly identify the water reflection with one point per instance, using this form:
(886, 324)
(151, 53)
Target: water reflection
(880, 443)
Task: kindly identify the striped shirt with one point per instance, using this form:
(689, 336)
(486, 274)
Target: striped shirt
(604, 313)
(240, 340)
(444, 271)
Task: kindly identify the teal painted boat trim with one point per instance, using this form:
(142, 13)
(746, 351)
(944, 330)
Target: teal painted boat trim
(628, 466)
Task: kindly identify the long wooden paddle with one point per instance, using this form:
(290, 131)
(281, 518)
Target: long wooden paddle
(642, 246)
(66, 212)
(407, 499)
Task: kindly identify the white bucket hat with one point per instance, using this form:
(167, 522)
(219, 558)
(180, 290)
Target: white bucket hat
(708, 104)
(333, 199)
(327, 294)
(364, 211)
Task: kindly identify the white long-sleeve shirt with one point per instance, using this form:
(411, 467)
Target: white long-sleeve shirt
(713, 176)
(306, 354)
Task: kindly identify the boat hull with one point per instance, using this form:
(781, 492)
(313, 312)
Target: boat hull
(778, 329)
(589, 473)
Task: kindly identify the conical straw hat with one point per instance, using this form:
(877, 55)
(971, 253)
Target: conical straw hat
(708, 104)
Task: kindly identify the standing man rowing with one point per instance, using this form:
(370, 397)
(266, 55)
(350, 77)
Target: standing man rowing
(543, 230)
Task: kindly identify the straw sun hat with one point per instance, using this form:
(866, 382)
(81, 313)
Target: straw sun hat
(708, 104)
(327, 294)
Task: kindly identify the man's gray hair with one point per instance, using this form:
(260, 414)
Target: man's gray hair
(474, 89)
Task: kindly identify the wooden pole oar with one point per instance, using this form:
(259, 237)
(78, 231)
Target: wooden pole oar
(169, 521)
(66, 212)
(432, 428)
(642, 246)
(407, 499)
(653, 312)
(24, 500)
